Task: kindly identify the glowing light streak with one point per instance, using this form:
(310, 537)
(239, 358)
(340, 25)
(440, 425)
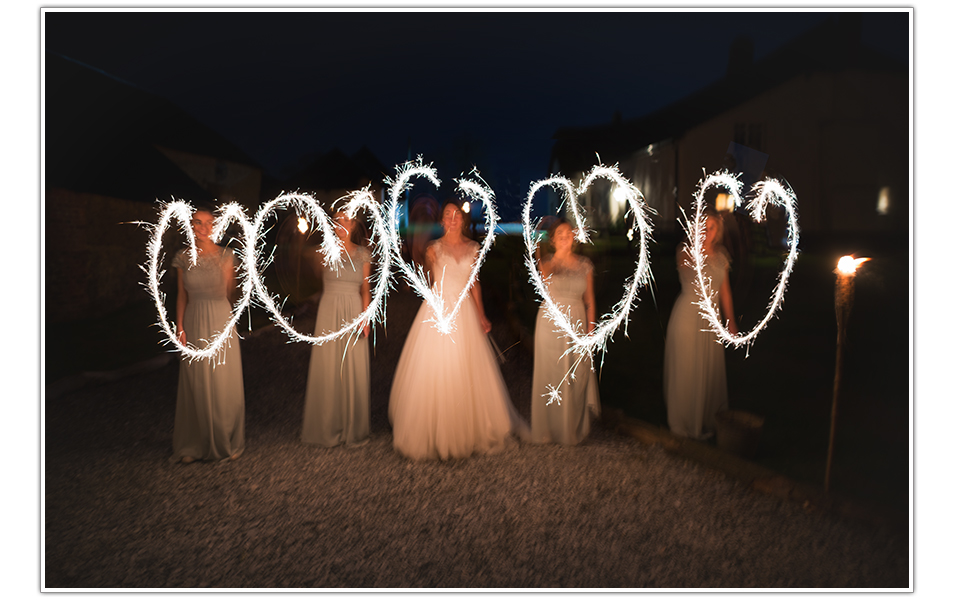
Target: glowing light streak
(478, 191)
(766, 192)
(213, 348)
(586, 345)
(250, 277)
(565, 186)
(332, 251)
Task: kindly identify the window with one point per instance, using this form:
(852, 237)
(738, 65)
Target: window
(884, 201)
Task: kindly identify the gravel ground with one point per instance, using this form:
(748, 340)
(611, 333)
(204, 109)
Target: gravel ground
(611, 513)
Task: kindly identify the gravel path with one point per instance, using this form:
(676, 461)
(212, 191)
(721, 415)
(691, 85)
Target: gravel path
(610, 513)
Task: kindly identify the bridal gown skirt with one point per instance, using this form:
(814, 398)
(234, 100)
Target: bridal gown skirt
(448, 398)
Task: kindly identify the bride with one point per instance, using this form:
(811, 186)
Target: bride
(448, 399)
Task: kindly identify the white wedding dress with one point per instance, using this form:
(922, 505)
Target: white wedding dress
(448, 398)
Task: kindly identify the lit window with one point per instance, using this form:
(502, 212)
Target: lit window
(884, 200)
(724, 202)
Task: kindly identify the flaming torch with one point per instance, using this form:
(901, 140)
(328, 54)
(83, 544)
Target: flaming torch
(844, 298)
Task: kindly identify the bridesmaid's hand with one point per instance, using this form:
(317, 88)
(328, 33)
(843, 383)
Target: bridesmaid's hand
(366, 331)
(182, 337)
(589, 327)
(485, 324)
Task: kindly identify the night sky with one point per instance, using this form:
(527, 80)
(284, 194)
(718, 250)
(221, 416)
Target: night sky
(486, 88)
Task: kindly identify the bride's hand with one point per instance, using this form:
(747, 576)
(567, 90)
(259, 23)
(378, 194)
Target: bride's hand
(485, 324)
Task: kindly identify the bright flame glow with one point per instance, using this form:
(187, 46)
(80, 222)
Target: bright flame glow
(619, 195)
(847, 265)
(302, 224)
(586, 345)
(465, 207)
(768, 191)
(444, 321)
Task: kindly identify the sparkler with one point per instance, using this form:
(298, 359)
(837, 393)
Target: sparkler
(478, 191)
(182, 211)
(332, 250)
(250, 277)
(585, 345)
(844, 298)
(766, 192)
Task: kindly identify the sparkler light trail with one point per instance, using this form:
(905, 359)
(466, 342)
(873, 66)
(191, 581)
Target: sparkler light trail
(585, 345)
(766, 192)
(182, 212)
(478, 191)
(332, 250)
(250, 277)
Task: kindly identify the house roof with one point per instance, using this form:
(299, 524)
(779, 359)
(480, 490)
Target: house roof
(102, 133)
(833, 46)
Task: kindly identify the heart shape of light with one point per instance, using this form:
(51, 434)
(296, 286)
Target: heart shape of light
(332, 249)
(182, 211)
(444, 320)
(586, 344)
(766, 192)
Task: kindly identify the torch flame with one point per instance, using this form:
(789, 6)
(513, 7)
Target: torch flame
(848, 264)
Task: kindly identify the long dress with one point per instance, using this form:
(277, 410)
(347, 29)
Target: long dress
(568, 422)
(210, 405)
(694, 369)
(448, 398)
(339, 374)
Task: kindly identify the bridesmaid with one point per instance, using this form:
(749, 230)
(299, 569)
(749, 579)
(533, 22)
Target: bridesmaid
(694, 370)
(339, 375)
(210, 405)
(569, 279)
